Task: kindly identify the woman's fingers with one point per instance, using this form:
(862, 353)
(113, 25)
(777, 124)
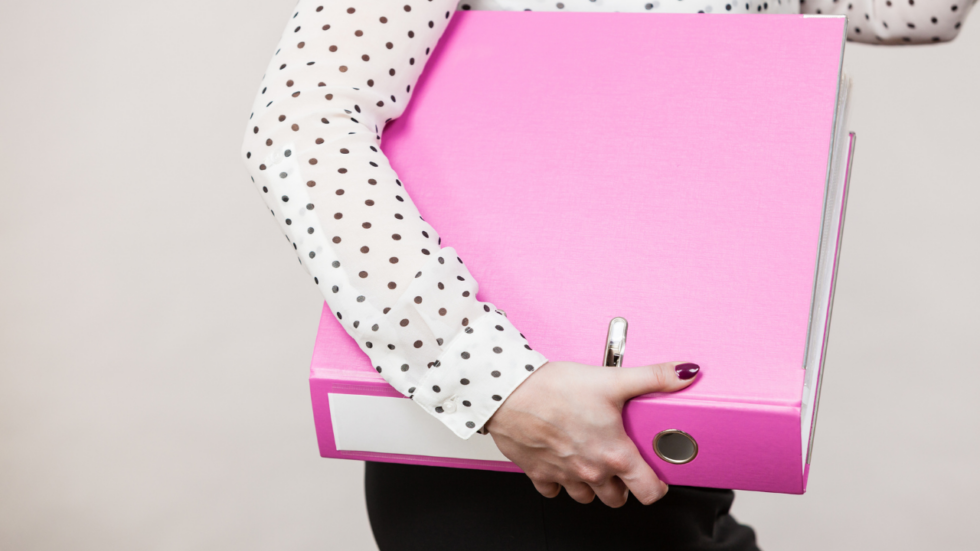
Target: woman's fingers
(580, 492)
(547, 489)
(612, 492)
(564, 428)
(666, 377)
(644, 484)
(641, 480)
(631, 382)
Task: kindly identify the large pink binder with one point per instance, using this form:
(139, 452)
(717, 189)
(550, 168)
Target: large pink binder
(685, 172)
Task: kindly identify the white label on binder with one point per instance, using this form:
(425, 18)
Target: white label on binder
(383, 424)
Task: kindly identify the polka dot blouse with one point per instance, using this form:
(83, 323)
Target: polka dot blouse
(345, 68)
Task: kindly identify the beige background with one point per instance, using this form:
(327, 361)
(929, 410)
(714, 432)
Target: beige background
(155, 329)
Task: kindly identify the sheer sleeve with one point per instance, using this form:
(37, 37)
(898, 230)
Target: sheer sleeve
(341, 71)
(896, 21)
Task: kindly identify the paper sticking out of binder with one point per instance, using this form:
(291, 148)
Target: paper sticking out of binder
(687, 173)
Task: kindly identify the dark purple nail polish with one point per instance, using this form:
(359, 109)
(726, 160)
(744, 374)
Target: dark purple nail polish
(687, 371)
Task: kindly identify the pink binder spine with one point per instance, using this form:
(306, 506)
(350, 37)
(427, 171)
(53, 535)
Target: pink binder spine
(768, 461)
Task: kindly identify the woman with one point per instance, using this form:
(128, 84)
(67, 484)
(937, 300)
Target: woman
(343, 69)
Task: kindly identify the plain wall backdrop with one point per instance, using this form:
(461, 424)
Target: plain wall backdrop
(155, 329)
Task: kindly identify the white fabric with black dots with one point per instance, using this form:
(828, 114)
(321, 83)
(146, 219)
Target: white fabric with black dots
(896, 21)
(342, 70)
(872, 21)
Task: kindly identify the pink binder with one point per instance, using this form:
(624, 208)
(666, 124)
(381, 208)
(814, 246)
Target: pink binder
(685, 172)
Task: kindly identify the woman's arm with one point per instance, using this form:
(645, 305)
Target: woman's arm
(896, 21)
(341, 71)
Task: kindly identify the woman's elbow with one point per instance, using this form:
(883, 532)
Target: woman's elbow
(901, 28)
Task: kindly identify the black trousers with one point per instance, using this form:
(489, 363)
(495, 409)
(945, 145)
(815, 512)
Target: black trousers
(413, 507)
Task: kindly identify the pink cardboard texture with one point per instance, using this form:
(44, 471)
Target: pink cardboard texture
(666, 168)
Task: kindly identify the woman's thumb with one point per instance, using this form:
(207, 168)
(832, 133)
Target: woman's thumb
(665, 377)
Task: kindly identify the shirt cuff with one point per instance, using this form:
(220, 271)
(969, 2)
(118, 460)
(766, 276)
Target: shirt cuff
(476, 373)
(480, 356)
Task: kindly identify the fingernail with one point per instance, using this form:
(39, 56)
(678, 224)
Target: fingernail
(687, 371)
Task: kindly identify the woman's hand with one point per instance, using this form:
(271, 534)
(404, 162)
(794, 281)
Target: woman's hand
(563, 426)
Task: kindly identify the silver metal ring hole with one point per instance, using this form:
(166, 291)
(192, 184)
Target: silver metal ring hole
(675, 446)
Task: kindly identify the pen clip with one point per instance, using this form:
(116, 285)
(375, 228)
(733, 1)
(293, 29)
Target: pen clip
(615, 343)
